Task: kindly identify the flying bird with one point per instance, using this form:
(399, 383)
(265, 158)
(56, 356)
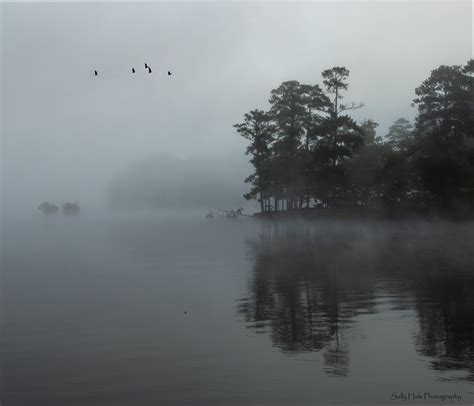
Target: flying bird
(169, 73)
(149, 70)
(133, 70)
(95, 73)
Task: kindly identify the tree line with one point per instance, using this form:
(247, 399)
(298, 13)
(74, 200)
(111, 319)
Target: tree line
(307, 151)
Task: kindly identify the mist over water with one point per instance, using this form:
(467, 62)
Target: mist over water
(168, 308)
(115, 289)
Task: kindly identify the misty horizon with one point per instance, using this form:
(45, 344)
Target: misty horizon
(237, 203)
(67, 134)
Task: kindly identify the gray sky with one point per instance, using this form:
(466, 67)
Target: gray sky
(66, 133)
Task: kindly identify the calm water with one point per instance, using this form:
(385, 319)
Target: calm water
(93, 311)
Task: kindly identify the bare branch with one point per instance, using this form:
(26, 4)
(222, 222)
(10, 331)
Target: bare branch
(353, 106)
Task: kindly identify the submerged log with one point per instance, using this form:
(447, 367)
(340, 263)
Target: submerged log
(226, 213)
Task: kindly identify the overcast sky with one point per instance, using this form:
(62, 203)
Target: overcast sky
(66, 133)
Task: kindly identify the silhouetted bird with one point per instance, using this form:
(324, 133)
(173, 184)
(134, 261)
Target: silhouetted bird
(185, 312)
(133, 70)
(169, 73)
(146, 66)
(95, 73)
(149, 70)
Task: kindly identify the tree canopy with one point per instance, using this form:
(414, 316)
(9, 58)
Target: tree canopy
(307, 150)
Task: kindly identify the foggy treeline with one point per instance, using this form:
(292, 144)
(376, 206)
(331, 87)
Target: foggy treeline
(166, 181)
(307, 151)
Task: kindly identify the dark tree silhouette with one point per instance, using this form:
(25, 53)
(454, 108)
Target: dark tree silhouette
(444, 135)
(258, 129)
(288, 109)
(318, 153)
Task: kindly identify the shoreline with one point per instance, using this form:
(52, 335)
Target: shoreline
(358, 213)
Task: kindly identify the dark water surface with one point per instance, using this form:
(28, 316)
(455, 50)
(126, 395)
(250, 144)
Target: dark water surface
(93, 311)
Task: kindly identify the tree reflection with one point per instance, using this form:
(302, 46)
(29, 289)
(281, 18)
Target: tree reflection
(437, 270)
(309, 284)
(445, 307)
(306, 296)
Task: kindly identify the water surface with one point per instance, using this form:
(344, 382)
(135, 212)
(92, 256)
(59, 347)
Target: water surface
(163, 308)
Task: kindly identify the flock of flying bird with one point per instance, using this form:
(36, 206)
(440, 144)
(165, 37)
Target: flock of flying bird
(133, 70)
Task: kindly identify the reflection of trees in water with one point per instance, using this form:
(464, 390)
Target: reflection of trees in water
(439, 267)
(445, 307)
(309, 284)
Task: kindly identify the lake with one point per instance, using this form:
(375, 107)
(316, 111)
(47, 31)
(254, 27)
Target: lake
(168, 308)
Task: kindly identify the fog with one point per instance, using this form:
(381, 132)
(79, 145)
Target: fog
(67, 135)
(165, 181)
(134, 297)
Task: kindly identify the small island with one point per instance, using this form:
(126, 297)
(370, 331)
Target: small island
(312, 159)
